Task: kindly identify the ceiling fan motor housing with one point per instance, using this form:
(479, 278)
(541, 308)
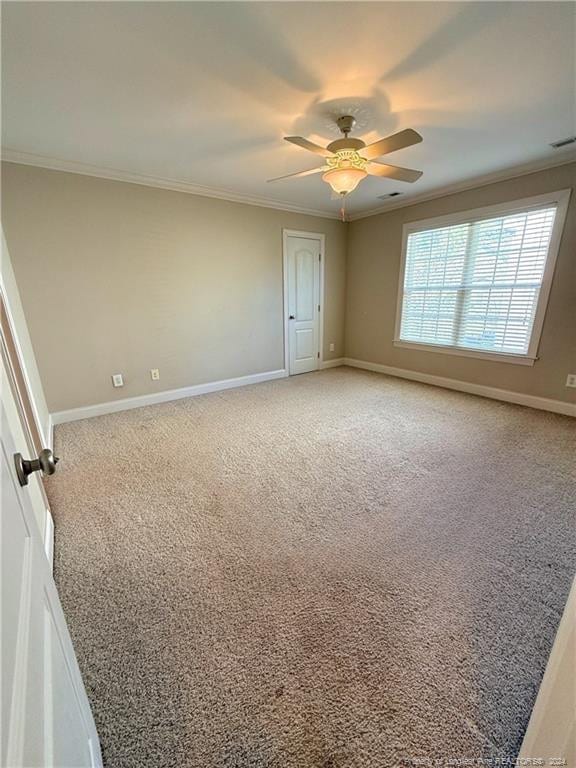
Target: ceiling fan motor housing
(346, 143)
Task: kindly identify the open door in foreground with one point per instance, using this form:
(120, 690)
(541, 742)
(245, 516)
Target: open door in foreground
(46, 718)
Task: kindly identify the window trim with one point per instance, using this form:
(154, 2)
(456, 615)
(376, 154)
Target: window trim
(561, 198)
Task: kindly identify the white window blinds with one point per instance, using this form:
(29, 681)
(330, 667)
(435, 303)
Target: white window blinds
(475, 285)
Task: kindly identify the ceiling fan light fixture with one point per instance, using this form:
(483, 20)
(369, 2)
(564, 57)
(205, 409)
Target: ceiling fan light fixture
(346, 171)
(344, 180)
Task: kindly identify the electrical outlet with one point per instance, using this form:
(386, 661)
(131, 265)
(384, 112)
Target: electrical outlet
(117, 380)
(331, 347)
(155, 373)
(571, 380)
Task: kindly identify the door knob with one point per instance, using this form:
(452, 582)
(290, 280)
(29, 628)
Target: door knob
(45, 463)
(291, 317)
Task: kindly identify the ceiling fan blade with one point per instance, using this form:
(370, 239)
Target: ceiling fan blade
(309, 145)
(392, 143)
(309, 172)
(393, 172)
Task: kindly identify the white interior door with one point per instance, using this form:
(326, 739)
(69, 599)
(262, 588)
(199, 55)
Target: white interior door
(303, 302)
(46, 719)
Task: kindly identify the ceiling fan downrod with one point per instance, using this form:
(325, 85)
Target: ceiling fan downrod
(346, 123)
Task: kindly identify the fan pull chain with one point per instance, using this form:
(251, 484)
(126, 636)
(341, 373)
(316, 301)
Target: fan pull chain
(343, 208)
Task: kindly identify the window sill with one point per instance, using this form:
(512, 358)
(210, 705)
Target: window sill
(493, 356)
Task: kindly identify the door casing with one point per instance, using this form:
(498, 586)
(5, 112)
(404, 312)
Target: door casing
(29, 422)
(286, 233)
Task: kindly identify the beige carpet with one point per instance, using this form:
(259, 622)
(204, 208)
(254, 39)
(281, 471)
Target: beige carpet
(337, 570)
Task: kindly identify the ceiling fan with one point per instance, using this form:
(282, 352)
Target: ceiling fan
(349, 161)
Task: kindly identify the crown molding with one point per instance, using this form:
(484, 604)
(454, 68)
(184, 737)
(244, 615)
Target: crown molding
(174, 185)
(473, 183)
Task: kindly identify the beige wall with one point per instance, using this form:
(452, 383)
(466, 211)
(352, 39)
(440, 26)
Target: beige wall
(373, 263)
(116, 277)
(121, 278)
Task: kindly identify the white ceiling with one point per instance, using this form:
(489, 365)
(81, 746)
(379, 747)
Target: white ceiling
(203, 93)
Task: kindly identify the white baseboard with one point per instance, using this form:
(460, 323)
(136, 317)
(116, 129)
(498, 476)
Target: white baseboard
(140, 401)
(531, 401)
(331, 363)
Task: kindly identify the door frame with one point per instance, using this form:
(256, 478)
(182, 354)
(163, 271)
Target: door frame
(286, 233)
(13, 358)
(19, 382)
(552, 724)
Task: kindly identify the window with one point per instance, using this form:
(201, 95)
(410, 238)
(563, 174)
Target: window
(477, 283)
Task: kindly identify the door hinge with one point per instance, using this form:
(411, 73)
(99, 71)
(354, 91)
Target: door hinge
(319, 257)
(318, 307)
(318, 355)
